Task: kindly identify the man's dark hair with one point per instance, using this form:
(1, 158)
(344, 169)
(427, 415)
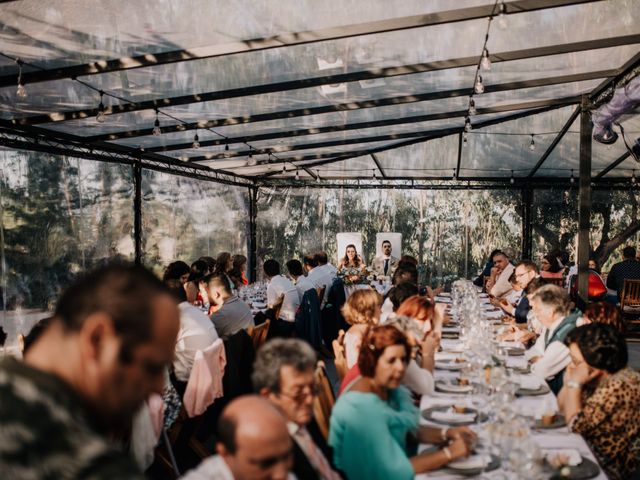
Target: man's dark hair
(528, 265)
(407, 260)
(218, 280)
(175, 270)
(321, 258)
(125, 293)
(210, 261)
(36, 331)
(294, 267)
(271, 267)
(629, 252)
(405, 273)
(310, 260)
(386, 241)
(199, 268)
(176, 289)
(601, 345)
(499, 253)
(227, 425)
(400, 293)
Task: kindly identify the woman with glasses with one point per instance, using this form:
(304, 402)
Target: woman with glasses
(370, 422)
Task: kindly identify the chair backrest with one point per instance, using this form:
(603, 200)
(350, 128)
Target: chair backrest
(259, 333)
(321, 291)
(339, 353)
(554, 281)
(205, 380)
(630, 293)
(324, 401)
(278, 306)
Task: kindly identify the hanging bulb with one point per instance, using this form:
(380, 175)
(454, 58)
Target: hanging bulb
(453, 177)
(101, 116)
(502, 16)
(156, 127)
(465, 139)
(297, 175)
(467, 124)
(513, 180)
(196, 141)
(485, 63)
(252, 162)
(472, 107)
(532, 145)
(479, 86)
(373, 174)
(226, 151)
(284, 169)
(21, 92)
(572, 179)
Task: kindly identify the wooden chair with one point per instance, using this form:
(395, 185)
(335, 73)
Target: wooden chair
(324, 400)
(485, 280)
(339, 354)
(630, 301)
(321, 291)
(278, 306)
(259, 333)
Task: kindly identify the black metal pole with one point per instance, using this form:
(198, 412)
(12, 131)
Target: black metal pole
(251, 240)
(527, 222)
(137, 211)
(584, 214)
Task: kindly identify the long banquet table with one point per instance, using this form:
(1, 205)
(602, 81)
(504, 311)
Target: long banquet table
(549, 439)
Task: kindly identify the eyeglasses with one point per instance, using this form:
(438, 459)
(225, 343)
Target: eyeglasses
(300, 396)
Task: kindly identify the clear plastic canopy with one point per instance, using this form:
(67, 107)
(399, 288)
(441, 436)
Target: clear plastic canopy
(333, 89)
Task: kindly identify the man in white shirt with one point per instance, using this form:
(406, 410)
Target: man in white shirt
(318, 276)
(253, 444)
(550, 356)
(385, 264)
(233, 315)
(323, 263)
(498, 285)
(281, 290)
(302, 283)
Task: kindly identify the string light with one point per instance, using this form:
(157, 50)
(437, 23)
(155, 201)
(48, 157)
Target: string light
(373, 173)
(284, 169)
(532, 145)
(572, 179)
(156, 126)
(485, 63)
(453, 177)
(513, 180)
(196, 141)
(101, 116)
(21, 92)
(297, 175)
(467, 124)
(479, 86)
(252, 162)
(465, 139)
(502, 16)
(226, 151)
(472, 106)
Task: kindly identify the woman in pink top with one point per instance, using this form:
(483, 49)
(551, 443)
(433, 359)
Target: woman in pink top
(550, 267)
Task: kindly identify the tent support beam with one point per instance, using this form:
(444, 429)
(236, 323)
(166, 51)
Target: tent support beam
(252, 245)
(377, 162)
(613, 165)
(137, 211)
(584, 213)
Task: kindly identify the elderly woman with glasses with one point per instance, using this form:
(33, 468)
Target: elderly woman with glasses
(370, 422)
(601, 397)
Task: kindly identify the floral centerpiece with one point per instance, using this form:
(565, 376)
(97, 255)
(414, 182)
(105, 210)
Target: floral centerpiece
(354, 276)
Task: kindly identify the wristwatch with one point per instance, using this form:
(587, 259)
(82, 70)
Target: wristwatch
(573, 384)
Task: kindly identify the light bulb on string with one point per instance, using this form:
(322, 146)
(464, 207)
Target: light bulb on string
(572, 179)
(101, 116)
(512, 180)
(196, 141)
(485, 63)
(21, 92)
(502, 16)
(465, 139)
(373, 174)
(479, 86)
(156, 126)
(532, 145)
(453, 177)
(252, 162)
(472, 107)
(297, 175)
(226, 151)
(284, 169)
(467, 124)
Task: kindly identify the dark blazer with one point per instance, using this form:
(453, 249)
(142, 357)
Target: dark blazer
(522, 309)
(301, 466)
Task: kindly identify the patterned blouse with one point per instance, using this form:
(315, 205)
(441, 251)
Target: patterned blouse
(610, 422)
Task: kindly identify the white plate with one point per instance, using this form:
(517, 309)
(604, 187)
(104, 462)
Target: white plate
(453, 388)
(471, 463)
(443, 365)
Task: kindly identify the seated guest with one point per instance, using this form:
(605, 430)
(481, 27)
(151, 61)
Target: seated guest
(211, 263)
(550, 356)
(237, 272)
(35, 333)
(601, 398)
(105, 351)
(351, 260)
(405, 273)
(301, 282)
(199, 268)
(224, 264)
(498, 284)
(602, 312)
(395, 297)
(196, 332)
(367, 449)
(628, 268)
(323, 262)
(361, 310)
(280, 289)
(284, 373)
(176, 271)
(321, 278)
(232, 314)
(550, 267)
(384, 264)
(253, 444)
(523, 273)
(486, 271)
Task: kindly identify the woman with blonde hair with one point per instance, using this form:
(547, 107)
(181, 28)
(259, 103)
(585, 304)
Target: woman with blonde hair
(361, 309)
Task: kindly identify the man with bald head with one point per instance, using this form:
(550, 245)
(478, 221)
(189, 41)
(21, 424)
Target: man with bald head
(254, 444)
(105, 351)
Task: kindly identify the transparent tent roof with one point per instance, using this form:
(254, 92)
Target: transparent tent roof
(334, 89)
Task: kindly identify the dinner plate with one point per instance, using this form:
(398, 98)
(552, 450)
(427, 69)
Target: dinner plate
(557, 423)
(529, 392)
(428, 414)
(448, 365)
(450, 335)
(515, 352)
(452, 387)
(472, 472)
(584, 470)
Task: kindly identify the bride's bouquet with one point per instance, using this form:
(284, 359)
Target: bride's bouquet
(354, 276)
